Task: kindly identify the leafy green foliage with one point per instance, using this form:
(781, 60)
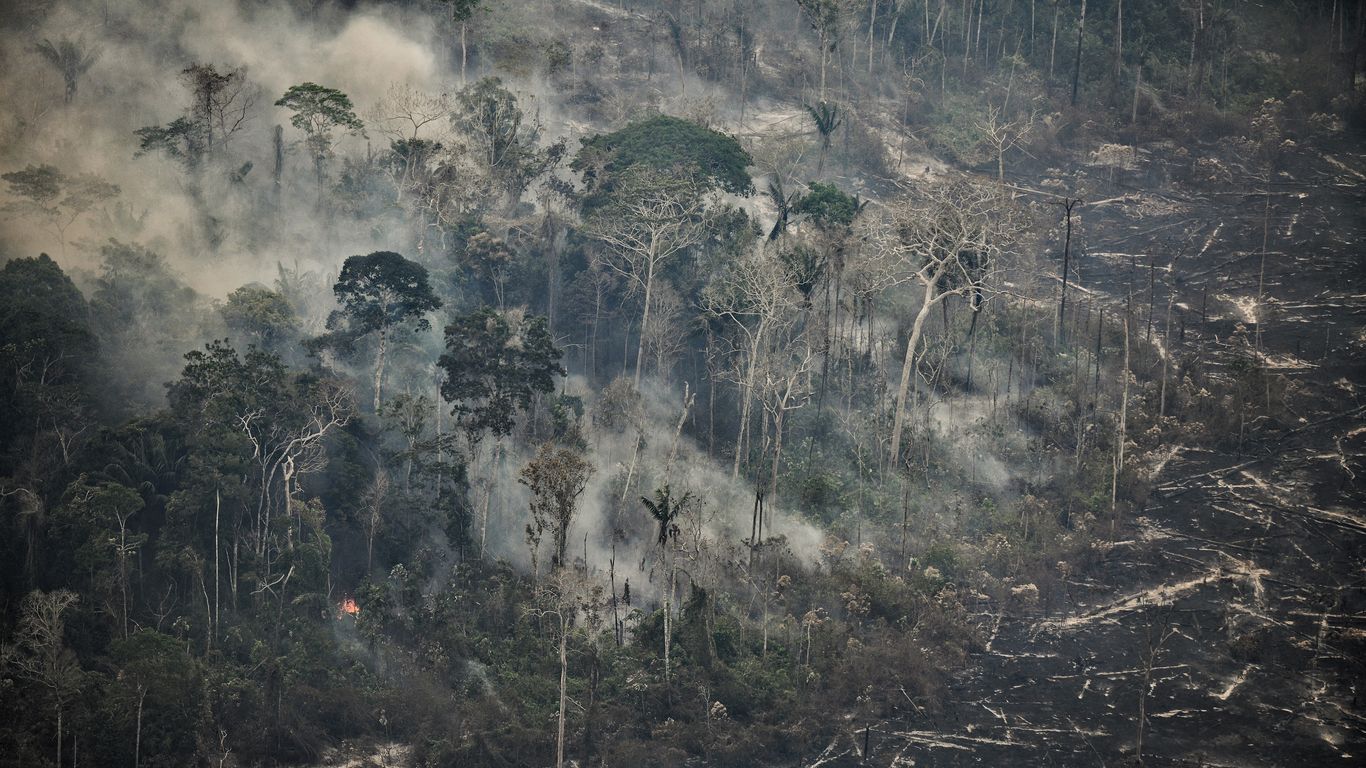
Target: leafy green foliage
(665, 509)
(46, 347)
(495, 365)
(382, 290)
(162, 685)
(827, 206)
(263, 317)
(235, 549)
(318, 111)
(177, 139)
(556, 477)
(667, 145)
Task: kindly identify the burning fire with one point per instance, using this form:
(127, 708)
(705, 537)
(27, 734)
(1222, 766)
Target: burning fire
(348, 606)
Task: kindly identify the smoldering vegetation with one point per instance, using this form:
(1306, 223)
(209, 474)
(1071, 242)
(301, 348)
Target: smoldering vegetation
(744, 382)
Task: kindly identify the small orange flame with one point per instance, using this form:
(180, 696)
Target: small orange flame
(348, 606)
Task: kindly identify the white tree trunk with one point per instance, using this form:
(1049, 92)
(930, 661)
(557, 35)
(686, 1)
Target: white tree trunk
(564, 681)
(645, 314)
(903, 389)
(1123, 420)
(379, 366)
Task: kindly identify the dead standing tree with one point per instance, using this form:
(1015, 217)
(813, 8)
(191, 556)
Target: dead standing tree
(760, 303)
(1059, 328)
(575, 606)
(787, 378)
(1001, 135)
(285, 449)
(651, 220)
(947, 240)
(42, 655)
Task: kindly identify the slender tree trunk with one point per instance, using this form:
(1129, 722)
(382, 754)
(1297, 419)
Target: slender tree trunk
(217, 508)
(872, 21)
(1100, 328)
(744, 69)
(379, 367)
(123, 573)
(137, 739)
(564, 686)
(1133, 114)
(1123, 420)
(612, 578)
(825, 59)
(279, 170)
(1053, 47)
(899, 417)
(1197, 24)
(1031, 27)
(777, 449)
(1152, 297)
(668, 611)
(1119, 39)
(1059, 330)
(746, 403)
(1261, 269)
(1076, 68)
(1166, 359)
(645, 314)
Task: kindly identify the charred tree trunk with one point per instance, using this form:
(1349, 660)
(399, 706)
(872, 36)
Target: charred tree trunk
(1076, 67)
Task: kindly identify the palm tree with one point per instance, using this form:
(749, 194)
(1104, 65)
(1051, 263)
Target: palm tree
(827, 119)
(665, 509)
(71, 58)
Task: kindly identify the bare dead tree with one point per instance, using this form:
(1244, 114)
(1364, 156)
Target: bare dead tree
(947, 240)
(41, 654)
(282, 451)
(787, 378)
(652, 220)
(1156, 634)
(373, 501)
(760, 305)
(1002, 135)
(407, 113)
(221, 102)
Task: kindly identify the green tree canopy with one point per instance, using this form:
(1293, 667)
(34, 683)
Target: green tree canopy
(43, 318)
(667, 145)
(260, 315)
(827, 207)
(379, 292)
(318, 112)
(383, 289)
(46, 347)
(495, 366)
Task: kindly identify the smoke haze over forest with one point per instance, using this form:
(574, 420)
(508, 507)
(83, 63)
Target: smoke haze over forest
(652, 382)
